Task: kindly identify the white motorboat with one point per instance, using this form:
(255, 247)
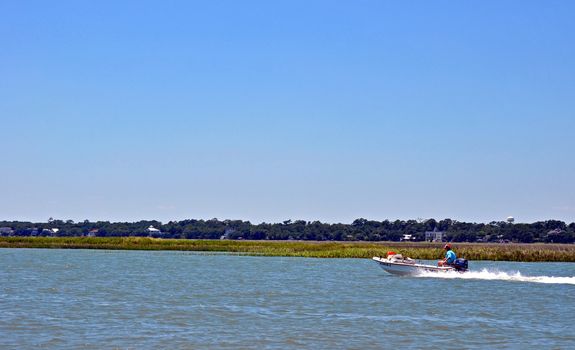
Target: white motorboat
(398, 265)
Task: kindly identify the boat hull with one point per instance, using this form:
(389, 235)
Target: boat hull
(402, 269)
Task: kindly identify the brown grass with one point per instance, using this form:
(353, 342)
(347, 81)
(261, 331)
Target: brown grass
(416, 250)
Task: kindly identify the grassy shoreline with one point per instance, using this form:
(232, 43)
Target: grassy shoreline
(416, 250)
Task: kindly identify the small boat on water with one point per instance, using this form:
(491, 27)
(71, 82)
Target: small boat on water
(396, 264)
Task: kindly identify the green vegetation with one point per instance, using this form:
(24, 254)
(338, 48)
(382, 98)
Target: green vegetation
(418, 250)
(550, 231)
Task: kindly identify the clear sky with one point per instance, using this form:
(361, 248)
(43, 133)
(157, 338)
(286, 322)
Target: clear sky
(276, 110)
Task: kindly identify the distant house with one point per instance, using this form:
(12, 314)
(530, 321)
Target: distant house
(554, 235)
(6, 231)
(153, 232)
(93, 232)
(434, 236)
(407, 238)
(228, 233)
(556, 231)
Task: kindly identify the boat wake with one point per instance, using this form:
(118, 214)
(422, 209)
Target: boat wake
(500, 276)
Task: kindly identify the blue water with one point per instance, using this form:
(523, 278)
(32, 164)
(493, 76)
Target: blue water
(90, 299)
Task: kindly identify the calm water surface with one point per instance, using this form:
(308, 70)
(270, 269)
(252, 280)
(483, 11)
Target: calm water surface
(89, 299)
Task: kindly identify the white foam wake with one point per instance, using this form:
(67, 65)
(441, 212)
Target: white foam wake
(501, 276)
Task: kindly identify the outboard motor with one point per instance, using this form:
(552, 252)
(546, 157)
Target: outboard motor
(460, 264)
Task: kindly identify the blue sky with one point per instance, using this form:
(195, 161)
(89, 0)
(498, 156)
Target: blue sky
(275, 110)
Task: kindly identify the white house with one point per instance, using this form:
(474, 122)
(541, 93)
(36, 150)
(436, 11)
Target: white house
(6, 231)
(152, 231)
(93, 232)
(434, 236)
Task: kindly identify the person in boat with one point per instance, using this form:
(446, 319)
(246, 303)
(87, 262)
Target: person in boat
(450, 256)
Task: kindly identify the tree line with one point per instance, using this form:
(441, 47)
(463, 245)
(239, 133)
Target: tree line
(551, 231)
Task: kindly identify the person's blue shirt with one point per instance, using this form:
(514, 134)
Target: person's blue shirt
(450, 256)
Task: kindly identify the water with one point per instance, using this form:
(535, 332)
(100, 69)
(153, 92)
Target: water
(89, 299)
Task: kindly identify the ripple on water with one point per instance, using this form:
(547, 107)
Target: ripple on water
(148, 300)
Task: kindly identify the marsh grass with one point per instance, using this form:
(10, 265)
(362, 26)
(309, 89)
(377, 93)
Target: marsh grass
(417, 250)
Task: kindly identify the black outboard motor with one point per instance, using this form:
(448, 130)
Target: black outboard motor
(460, 264)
